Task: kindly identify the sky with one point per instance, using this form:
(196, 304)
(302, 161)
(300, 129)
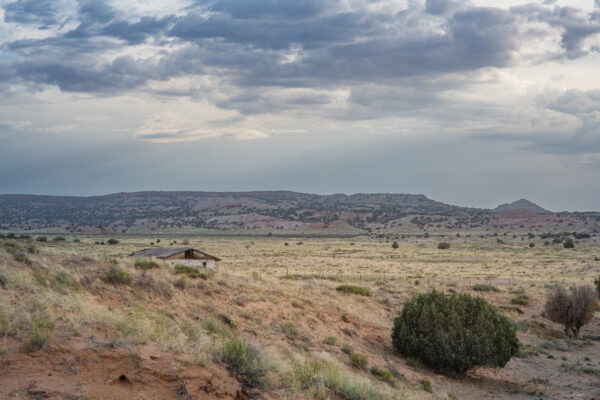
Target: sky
(473, 103)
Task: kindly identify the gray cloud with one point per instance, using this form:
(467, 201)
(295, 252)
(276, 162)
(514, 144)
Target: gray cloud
(42, 12)
(251, 39)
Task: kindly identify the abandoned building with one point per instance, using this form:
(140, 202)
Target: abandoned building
(185, 255)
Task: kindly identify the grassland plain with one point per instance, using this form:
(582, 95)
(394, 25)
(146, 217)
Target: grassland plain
(269, 323)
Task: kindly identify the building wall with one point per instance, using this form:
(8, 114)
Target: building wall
(196, 263)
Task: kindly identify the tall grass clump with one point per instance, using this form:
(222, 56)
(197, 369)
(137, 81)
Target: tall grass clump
(191, 272)
(354, 290)
(117, 276)
(313, 376)
(244, 360)
(350, 386)
(455, 333)
(37, 325)
(145, 264)
(484, 287)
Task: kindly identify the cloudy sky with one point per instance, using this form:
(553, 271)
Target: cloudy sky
(469, 102)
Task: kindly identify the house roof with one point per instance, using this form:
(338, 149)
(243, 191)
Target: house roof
(163, 252)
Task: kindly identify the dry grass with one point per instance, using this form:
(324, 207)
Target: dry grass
(303, 316)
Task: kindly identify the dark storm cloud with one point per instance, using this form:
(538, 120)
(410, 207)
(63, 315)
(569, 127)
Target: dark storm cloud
(249, 41)
(43, 12)
(278, 33)
(245, 9)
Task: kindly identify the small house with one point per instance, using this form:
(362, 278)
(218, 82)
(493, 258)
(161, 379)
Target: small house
(184, 255)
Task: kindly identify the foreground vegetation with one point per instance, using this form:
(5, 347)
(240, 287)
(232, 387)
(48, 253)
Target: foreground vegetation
(311, 319)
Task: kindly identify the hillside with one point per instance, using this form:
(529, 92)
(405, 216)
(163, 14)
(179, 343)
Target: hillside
(149, 211)
(521, 205)
(263, 212)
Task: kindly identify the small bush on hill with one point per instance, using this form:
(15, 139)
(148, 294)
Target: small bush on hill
(58, 239)
(597, 283)
(382, 373)
(454, 333)
(358, 360)
(180, 283)
(112, 241)
(117, 276)
(443, 246)
(244, 360)
(22, 258)
(330, 340)
(42, 239)
(521, 300)
(289, 330)
(395, 245)
(573, 310)
(426, 385)
(568, 243)
(191, 272)
(353, 289)
(484, 287)
(145, 264)
(38, 332)
(146, 282)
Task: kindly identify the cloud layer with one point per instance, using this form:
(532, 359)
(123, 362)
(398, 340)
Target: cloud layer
(92, 73)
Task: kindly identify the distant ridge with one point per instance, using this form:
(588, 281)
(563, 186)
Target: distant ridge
(521, 205)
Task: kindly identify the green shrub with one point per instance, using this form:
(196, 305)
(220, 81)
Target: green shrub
(58, 239)
(145, 264)
(22, 258)
(520, 300)
(244, 360)
(454, 333)
(62, 281)
(289, 330)
(443, 246)
(597, 283)
(38, 333)
(4, 321)
(180, 283)
(147, 283)
(426, 385)
(191, 272)
(353, 289)
(532, 245)
(215, 327)
(481, 287)
(350, 386)
(346, 348)
(382, 373)
(358, 360)
(330, 340)
(568, 243)
(304, 375)
(117, 276)
(395, 245)
(112, 241)
(42, 239)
